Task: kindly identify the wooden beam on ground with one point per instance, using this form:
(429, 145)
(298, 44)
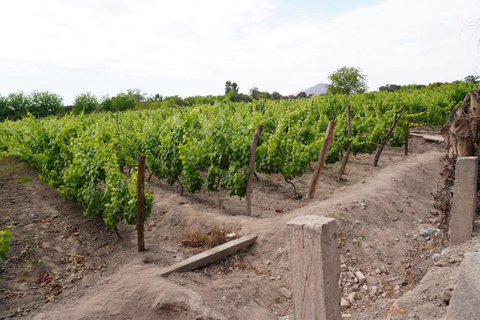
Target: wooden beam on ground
(209, 256)
(425, 132)
(413, 134)
(436, 138)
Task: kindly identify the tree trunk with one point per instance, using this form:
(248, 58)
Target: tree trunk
(462, 139)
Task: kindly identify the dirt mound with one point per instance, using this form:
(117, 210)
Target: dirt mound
(136, 292)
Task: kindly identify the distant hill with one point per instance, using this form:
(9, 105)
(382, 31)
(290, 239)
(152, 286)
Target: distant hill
(320, 88)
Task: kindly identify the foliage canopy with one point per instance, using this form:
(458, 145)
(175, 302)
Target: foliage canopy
(347, 80)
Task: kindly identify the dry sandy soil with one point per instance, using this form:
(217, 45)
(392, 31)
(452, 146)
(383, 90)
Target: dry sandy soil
(66, 266)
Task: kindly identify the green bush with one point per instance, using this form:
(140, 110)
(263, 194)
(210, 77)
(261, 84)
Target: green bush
(5, 239)
(85, 102)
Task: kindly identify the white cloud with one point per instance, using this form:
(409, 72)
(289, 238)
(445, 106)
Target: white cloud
(137, 42)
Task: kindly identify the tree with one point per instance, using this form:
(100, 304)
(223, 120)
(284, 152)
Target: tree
(4, 109)
(390, 88)
(137, 94)
(276, 96)
(301, 94)
(43, 104)
(254, 92)
(125, 101)
(18, 105)
(85, 102)
(231, 86)
(241, 97)
(471, 78)
(347, 80)
(157, 98)
(231, 96)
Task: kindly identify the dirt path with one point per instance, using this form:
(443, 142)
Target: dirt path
(85, 272)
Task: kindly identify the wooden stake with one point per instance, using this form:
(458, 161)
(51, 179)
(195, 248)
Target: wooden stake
(141, 201)
(321, 159)
(253, 147)
(349, 147)
(385, 140)
(209, 256)
(407, 136)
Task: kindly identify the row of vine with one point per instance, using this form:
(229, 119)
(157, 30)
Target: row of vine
(208, 145)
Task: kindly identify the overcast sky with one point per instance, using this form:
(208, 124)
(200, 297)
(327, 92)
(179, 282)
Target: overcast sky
(191, 47)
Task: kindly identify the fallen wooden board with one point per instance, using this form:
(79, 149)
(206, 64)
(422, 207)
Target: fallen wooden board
(428, 137)
(416, 134)
(209, 256)
(426, 132)
(433, 138)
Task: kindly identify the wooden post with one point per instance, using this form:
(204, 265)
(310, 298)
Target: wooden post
(347, 155)
(141, 201)
(253, 147)
(315, 268)
(385, 140)
(321, 159)
(464, 203)
(407, 136)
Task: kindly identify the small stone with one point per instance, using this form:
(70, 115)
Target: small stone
(364, 205)
(346, 315)
(268, 262)
(344, 304)
(436, 256)
(285, 292)
(352, 297)
(365, 287)
(361, 278)
(272, 278)
(420, 221)
(224, 298)
(279, 277)
(428, 231)
(350, 274)
(396, 239)
(378, 271)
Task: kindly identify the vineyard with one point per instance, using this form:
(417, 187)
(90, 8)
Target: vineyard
(91, 159)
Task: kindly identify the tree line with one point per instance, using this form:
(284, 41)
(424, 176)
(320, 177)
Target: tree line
(345, 80)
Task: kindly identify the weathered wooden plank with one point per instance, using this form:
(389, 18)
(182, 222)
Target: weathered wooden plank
(433, 138)
(428, 137)
(425, 132)
(416, 134)
(209, 256)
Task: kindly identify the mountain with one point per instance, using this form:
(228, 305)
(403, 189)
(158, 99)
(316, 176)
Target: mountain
(320, 88)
